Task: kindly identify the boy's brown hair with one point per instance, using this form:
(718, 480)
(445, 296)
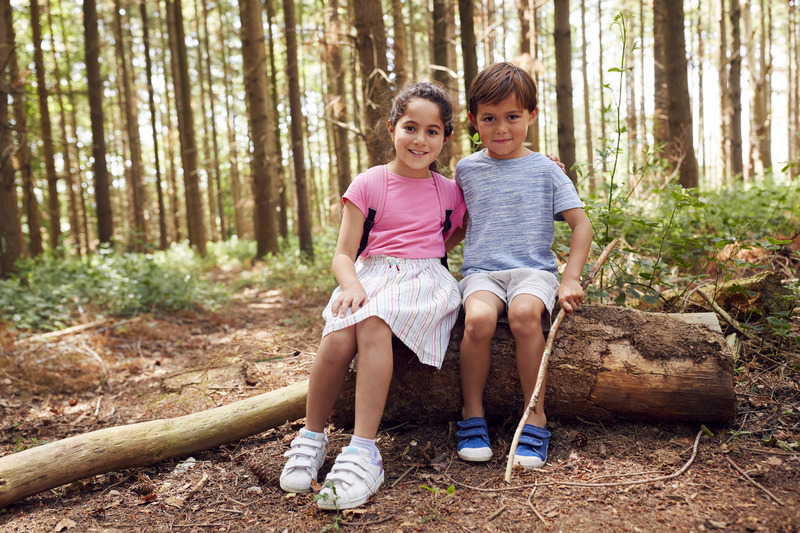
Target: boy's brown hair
(497, 82)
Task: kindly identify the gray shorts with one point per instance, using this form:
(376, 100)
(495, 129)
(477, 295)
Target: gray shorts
(507, 284)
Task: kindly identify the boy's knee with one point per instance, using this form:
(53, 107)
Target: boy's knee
(479, 325)
(525, 320)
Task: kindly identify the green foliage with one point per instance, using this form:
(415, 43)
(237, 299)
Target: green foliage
(50, 292)
(336, 525)
(439, 498)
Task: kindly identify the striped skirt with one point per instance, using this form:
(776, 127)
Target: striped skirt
(417, 298)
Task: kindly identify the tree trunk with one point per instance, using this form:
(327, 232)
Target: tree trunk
(469, 51)
(240, 227)
(372, 58)
(69, 173)
(398, 44)
(138, 236)
(11, 244)
(442, 22)
(23, 150)
(53, 206)
(607, 363)
(566, 121)
(262, 162)
(293, 78)
(737, 162)
(587, 110)
(205, 134)
(281, 191)
(338, 97)
(162, 212)
(212, 101)
(724, 98)
(105, 221)
(670, 52)
(183, 99)
(51, 465)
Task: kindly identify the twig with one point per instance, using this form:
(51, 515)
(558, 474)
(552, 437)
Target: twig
(535, 510)
(683, 469)
(97, 407)
(754, 482)
(546, 357)
(409, 469)
(496, 513)
(725, 316)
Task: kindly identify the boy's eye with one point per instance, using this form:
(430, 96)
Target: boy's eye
(513, 117)
(488, 119)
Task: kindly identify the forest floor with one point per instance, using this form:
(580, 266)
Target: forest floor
(622, 476)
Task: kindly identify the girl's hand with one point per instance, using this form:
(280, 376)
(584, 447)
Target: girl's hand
(351, 298)
(570, 295)
(558, 162)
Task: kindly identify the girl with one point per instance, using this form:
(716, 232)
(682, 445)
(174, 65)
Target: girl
(400, 288)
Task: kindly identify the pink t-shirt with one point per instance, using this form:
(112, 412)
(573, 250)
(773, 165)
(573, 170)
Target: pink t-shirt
(411, 223)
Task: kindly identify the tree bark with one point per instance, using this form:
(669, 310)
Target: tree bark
(566, 121)
(737, 160)
(469, 51)
(105, 221)
(607, 363)
(137, 239)
(53, 205)
(11, 244)
(293, 78)
(212, 103)
(162, 212)
(51, 465)
(374, 66)
(275, 152)
(337, 105)
(188, 142)
(263, 164)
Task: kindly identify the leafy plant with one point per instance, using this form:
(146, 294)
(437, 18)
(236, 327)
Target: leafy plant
(439, 498)
(337, 517)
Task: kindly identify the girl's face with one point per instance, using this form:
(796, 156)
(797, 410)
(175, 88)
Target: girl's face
(418, 139)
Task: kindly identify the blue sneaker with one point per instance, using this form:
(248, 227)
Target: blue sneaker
(473, 440)
(532, 448)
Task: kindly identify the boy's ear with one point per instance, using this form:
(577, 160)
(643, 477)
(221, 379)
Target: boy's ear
(473, 120)
(533, 115)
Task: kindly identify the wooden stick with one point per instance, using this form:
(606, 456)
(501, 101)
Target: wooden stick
(546, 356)
(751, 480)
(725, 316)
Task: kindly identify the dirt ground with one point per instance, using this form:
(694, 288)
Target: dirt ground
(625, 476)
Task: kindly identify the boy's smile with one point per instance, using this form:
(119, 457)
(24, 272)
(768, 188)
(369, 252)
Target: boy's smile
(503, 127)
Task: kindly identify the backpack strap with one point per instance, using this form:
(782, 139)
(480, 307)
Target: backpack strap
(447, 225)
(376, 199)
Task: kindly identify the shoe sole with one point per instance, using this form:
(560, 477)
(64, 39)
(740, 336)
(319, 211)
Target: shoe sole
(527, 462)
(475, 455)
(288, 488)
(329, 505)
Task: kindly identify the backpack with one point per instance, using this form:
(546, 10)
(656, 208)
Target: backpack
(377, 200)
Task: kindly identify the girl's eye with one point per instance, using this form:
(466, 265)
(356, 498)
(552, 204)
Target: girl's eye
(433, 132)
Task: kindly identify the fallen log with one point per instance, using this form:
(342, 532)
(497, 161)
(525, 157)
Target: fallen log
(607, 363)
(44, 467)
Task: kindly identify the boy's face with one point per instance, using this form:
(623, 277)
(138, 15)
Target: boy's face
(503, 127)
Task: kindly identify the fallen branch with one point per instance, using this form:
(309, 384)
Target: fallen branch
(754, 482)
(598, 264)
(725, 316)
(51, 465)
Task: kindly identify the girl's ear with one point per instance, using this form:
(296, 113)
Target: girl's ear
(447, 139)
(390, 128)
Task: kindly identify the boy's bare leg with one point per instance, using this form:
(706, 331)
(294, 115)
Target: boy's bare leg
(328, 372)
(375, 365)
(481, 309)
(525, 321)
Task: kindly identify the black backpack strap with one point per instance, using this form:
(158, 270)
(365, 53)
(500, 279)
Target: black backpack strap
(445, 229)
(368, 223)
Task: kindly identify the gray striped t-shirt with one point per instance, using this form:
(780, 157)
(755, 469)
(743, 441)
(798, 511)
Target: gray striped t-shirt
(512, 204)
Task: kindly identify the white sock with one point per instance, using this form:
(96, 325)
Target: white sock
(366, 444)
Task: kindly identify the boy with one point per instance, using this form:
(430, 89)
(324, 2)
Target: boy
(513, 195)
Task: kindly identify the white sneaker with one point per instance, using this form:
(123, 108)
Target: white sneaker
(355, 476)
(305, 457)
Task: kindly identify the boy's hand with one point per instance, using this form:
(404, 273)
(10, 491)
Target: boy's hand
(570, 295)
(353, 297)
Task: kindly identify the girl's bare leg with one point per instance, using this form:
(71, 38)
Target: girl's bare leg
(525, 321)
(375, 365)
(328, 372)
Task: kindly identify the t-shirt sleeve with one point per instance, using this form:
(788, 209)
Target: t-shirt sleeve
(564, 194)
(357, 193)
